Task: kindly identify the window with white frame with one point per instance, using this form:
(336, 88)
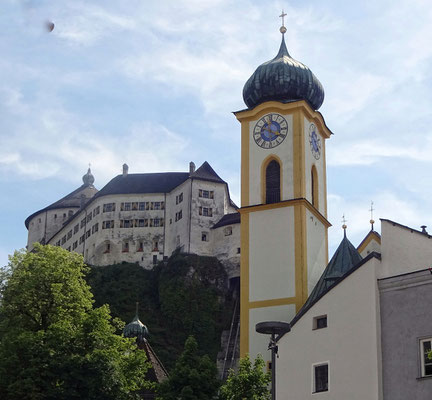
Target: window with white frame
(426, 363)
(320, 378)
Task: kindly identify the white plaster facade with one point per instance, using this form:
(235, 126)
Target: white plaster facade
(145, 227)
(359, 332)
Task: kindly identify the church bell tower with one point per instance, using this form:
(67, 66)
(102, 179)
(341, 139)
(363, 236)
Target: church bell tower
(284, 242)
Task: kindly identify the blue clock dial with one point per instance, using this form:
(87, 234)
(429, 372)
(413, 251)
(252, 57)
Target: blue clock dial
(314, 141)
(270, 131)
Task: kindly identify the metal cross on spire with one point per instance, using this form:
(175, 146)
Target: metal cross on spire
(282, 28)
(344, 226)
(371, 211)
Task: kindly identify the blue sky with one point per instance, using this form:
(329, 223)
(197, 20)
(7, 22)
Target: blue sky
(153, 84)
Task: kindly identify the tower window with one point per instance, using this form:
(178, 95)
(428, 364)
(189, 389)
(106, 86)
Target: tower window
(272, 182)
(314, 186)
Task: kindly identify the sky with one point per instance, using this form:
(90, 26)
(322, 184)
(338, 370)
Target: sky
(154, 84)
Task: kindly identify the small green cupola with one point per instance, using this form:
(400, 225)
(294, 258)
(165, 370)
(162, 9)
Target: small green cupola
(136, 328)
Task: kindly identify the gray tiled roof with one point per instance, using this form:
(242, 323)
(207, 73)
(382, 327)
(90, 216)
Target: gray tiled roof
(207, 173)
(228, 219)
(345, 259)
(72, 200)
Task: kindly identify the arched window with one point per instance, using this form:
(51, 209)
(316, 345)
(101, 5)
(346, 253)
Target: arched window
(273, 182)
(314, 186)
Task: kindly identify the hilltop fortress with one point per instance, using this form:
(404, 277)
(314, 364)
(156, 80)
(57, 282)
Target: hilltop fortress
(144, 218)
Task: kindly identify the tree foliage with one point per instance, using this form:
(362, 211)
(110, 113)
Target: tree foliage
(249, 382)
(53, 344)
(193, 377)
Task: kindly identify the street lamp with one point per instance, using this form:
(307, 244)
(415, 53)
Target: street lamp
(275, 329)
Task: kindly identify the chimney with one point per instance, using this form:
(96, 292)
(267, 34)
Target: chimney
(191, 167)
(424, 229)
(125, 169)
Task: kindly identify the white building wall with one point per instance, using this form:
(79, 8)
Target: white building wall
(350, 343)
(226, 247)
(278, 225)
(257, 155)
(403, 250)
(47, 223)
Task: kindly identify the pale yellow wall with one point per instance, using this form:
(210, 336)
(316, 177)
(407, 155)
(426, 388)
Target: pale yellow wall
(257, 155)
(350, 343)
(316, 249)
(271, 254)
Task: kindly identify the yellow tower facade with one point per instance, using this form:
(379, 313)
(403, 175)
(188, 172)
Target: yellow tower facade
(284, 241)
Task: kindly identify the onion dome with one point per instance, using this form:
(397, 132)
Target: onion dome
(283, 79)
(136, 328)
(88, 178)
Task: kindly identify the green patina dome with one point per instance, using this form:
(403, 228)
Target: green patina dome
(283, 79)
(136, 328)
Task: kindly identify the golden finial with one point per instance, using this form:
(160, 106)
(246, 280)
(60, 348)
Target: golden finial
(282, 28)
(371, 211)
(344, 226)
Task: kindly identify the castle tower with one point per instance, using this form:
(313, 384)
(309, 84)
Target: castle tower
(284, 242)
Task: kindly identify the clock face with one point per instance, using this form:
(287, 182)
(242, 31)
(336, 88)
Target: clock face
(314, 141)
(270, 131)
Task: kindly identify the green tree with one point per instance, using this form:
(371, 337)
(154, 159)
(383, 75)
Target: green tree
(53, 344)
(250, 382)
(193, 377)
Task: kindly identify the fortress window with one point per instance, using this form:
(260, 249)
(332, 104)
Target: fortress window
(157, 205)
(89, 217)
(134, 206)
(272, 182)
(206, 211)
(206, 194)
(81, 239)
(147, 205)
(125, 248)
(58, 243)
(75, 245)
(141, 206)
(39, 220)
(107, 248)
(96, 211)
(63, 241)
(146, 222)
(88, 233)
(179, 215)
(238, 250)
(228, 231)
(107, 224)
(108, 207)
(154, 259)
(204, 236)
(95, 228)
(156, 222)
(55, 216)
(140, 223)
(83, 221)
(140, 246)
(69, 235)
(179, 198)
(76, 228)
(155, 246)
(125, 223)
